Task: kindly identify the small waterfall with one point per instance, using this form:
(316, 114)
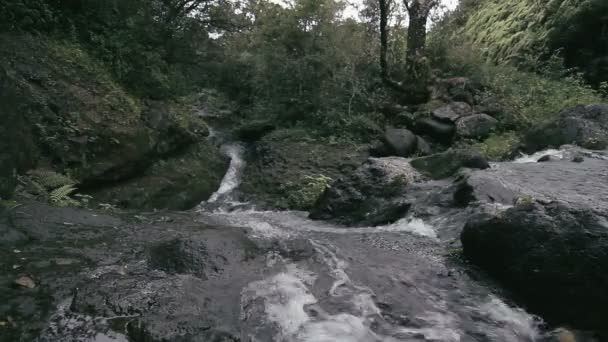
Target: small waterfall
(232, 178)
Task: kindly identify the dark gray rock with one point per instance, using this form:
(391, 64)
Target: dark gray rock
(477, 126)
(423, 148)
(253, 130)
(542, 229)
(544, 158)
(452, 112)
(445, 164)
(400, 142)
(582, 125)
(440, 131)
(370, 196)
(553, 255)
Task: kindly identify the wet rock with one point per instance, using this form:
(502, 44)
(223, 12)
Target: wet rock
(452, 112)
(400, 142)
(578, 158)
(181, 256)
(179, 182)
(541, 229)
(477, 126)
(371, 195)
(552, 254)
(583, 125)
(445, 164)
(544, 158)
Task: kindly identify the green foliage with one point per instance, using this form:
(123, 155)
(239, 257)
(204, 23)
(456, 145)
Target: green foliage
(27, 15)
(510, 30)
(61, 196)
(499, 147)
(528, 93)
(50, 179)
(303, 66)
(529, 97)
(53, 187)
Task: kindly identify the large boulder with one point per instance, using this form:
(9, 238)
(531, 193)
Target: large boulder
(180, 182)
(476, 126)
(371, 195)
(583, 125)
(542, 229)
(400, 142)
(452, 112)
(287, 169)
(554, 255)
(446, 164)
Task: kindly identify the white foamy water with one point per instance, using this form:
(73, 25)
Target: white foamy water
(232, 178)
(287, 296)
(276, 224)
(533, 158)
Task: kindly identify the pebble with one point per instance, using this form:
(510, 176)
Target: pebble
(25, 281)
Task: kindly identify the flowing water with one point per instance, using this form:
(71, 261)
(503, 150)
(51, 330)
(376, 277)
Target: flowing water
(392, 283)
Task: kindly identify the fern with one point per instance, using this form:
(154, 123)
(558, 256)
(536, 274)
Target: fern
(61, 196)
(50, 179)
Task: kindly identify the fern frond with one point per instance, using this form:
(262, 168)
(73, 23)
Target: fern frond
(51, 179)
(61, 195)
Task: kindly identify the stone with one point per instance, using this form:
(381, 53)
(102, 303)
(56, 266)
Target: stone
(400, 142)
(446, 164)
(25, 282)
(544, 158)
(423, 148)
(452, 112)
(371, 195)
(582, 125)
(476, 126)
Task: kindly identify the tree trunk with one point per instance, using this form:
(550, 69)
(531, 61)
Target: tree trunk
(416, 38)
(384, 38)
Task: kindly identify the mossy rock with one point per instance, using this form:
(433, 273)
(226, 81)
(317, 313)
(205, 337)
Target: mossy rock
(282, 166)
(62, 110)
(445, 164)
(180, 182)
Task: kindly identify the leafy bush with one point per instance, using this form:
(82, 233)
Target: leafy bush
(529, 97)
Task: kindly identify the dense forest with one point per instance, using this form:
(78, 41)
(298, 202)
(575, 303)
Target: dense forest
(333, 108)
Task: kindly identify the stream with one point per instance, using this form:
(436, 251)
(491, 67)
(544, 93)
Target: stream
(388, 283)
(230, 271)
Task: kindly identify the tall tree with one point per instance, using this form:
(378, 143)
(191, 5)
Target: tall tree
(418, 12)
(384, 14)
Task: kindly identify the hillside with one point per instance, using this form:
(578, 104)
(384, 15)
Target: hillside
(514, 30)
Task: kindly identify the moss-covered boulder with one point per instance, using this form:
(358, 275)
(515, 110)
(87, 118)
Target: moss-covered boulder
(372, 195)
(61, 110)
(290, 169)
(179, 182)
(583, 125)
(445, 164)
